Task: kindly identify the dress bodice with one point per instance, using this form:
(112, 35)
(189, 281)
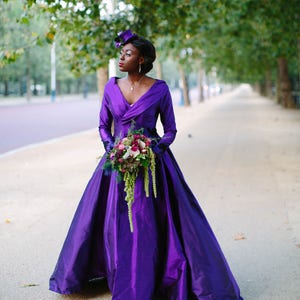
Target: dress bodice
(156, 102)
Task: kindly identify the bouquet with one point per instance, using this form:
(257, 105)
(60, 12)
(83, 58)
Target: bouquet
(129, 156)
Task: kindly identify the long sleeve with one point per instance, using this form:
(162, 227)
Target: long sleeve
(167, 118)
(105, 124)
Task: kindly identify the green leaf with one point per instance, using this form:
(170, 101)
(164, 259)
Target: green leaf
(24, 20)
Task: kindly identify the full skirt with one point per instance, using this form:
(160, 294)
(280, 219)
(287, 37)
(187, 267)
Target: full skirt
(172, 251)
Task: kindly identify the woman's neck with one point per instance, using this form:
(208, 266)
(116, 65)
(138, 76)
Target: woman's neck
(135, 80)
(135, 77)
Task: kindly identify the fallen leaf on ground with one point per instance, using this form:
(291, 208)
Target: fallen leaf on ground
(30, 285)
(239, 236)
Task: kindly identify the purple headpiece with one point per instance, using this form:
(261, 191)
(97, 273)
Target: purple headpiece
(124, 37)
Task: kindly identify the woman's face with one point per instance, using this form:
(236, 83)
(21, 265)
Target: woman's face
(129, 59)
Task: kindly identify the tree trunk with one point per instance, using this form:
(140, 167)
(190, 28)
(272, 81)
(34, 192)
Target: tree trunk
(28, 75)
(102, 75)
(6, 88)
(268, 83)
(20, 87)
(35, 91)
(58, 87)
(159, 73)
(255, 87)
(208, 91)
(278, 92)
(262, 88)
(201, 84)
(186, 97)
(286, 98)
(78, 85)
(48, 88)
(68, 83)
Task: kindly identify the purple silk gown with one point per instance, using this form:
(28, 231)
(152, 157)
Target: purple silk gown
(172, 251)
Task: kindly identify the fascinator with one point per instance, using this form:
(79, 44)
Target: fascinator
(124, 37)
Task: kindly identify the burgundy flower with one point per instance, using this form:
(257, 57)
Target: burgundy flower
(135, 148)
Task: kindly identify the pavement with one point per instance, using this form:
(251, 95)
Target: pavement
(239, 153)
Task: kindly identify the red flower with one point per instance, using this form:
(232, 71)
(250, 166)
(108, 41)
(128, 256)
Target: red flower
(135, 148)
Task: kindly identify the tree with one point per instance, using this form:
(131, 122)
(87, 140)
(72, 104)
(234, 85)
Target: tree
(248, 40)
(245, 41)
(22, 37)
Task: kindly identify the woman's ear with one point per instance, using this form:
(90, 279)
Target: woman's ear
(141, 60)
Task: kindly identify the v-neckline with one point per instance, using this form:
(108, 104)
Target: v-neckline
(124, 98)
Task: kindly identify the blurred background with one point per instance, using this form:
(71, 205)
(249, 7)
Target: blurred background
(239, 151)
(51, 47)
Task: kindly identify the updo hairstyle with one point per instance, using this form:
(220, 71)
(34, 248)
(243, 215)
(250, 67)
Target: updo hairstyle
(147, 50)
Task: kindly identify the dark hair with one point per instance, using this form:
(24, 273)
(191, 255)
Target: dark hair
(147, 50)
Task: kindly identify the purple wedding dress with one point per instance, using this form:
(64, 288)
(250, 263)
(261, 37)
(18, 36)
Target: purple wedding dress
(172, 251)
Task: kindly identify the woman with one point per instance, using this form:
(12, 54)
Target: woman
(172, 251)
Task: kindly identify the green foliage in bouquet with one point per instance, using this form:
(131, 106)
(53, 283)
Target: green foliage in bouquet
(130, 156)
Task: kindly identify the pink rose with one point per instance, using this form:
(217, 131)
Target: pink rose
(121, 147)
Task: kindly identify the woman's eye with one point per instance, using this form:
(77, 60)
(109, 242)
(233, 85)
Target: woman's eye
(127, 54)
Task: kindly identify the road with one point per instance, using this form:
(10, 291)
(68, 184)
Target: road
(239, 154)
(26, 124)
(23, 124)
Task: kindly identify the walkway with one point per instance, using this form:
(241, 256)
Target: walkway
(240, 154)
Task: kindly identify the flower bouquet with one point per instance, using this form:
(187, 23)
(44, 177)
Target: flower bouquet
(129, 156)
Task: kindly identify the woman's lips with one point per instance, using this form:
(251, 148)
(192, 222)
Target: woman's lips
(121, 64)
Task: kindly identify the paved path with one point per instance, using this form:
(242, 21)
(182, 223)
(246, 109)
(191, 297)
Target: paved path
(240, 154)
